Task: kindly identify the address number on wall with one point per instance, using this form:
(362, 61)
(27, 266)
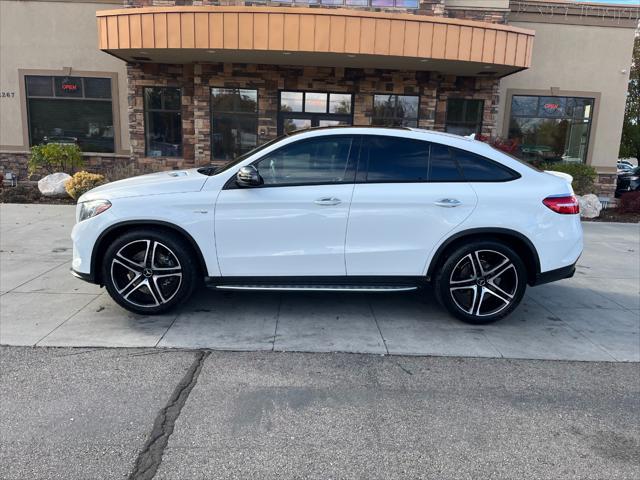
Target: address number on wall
(7, 94)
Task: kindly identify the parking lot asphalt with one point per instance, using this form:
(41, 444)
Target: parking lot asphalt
(181, 415)
(594, 316)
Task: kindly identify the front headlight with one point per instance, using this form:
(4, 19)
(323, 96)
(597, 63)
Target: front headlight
(92, 208)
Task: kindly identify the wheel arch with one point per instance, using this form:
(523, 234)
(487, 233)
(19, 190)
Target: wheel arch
(116, 229)
(519, 242)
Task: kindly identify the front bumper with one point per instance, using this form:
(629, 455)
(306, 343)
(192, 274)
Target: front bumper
(87, 277)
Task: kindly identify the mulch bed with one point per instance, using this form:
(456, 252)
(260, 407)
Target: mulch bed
(612, 215)
(29, 193)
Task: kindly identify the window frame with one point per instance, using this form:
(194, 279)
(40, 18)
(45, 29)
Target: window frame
(479, 124)
(114, 100)
(213, 112)
(352, 164)
(373, 106)
(161, 110)
(311, 116)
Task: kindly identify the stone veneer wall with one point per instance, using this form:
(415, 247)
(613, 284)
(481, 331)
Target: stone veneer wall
(197, 80)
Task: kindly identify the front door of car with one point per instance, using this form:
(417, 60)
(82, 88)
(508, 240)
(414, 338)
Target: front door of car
(409, 194)
(294, 224)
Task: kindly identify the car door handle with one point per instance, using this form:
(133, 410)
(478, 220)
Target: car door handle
(328, 201)
(448, 202)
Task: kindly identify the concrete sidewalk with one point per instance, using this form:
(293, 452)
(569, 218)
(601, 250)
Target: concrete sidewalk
(594, 316)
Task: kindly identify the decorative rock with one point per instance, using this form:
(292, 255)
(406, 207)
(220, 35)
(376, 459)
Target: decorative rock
(53, 185)
(590, 206)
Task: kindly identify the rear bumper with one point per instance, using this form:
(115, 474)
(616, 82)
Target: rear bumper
(555, 275)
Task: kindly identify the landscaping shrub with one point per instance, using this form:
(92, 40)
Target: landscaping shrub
(629, 203)
(55, 157)
(82, 182)
(583, 175)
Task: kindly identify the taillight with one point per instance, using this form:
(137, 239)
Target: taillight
(566, 204)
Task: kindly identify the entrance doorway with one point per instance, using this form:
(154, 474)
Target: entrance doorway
(300, 110)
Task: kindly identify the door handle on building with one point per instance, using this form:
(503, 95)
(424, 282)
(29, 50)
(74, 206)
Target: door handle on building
(328, 201)
(448, 202)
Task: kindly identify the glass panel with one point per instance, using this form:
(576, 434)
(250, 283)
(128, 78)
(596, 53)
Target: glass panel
(332, 123)
(234, 100)
(164, 134)
(340, 103)
(359, 3)
(233, 135)
(455, 110)
(397, 160)
(407, 3)
(97, 87)
(524, 106)
(442, 167)
(291, 101)
(68, 87)
(540, 139)
(395, 110)
(89, 123)
(315, 102)
(39, 86)
(551, 107)
(153, 98)
(382, 3)
(291, 124)
(478, 169)
(332, 2)
(171, 99)
(309, 162)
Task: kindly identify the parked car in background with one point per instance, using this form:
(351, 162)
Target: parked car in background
(336, 209)
(624, 166)
(628, 181)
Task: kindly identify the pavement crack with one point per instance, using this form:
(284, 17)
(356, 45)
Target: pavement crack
(150, 457)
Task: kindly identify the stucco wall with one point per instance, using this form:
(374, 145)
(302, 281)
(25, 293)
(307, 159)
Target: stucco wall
(580, 58)
(50, 36)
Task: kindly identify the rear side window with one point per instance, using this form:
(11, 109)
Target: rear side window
(395, 159)
(476, 168)
(442, 165)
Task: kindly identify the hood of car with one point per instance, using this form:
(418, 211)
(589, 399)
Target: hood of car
(174, 181)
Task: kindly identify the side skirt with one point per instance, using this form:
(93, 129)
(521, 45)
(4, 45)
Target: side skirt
(318, 284)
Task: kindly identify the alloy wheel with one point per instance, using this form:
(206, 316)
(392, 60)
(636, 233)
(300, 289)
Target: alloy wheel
(483, 283)
(146, 273)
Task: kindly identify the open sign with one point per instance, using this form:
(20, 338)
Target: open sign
(551, 106)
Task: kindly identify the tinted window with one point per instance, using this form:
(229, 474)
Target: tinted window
(442, 165)
(395, 159)
(317, 161)
(479, 169)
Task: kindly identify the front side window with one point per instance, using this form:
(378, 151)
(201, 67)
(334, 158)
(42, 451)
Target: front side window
(323, 160)
(395, 110)
(63, 109)
(551, 128)
(396, 159)
(234, 122)
(464, 117)
(163, 122)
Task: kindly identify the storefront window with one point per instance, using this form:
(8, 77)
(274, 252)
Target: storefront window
(163, 122)
(395, 110)
(70, 110)
(464, 117)
(234, 122)
(551, 129)
(300, 110)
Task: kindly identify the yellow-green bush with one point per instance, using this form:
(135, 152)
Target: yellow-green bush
(55, 157)
(82, 182)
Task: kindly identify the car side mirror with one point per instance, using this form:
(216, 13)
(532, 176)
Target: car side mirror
(248, 177)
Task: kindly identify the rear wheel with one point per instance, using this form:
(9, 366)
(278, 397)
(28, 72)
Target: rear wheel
(481, 282)
(149, 271)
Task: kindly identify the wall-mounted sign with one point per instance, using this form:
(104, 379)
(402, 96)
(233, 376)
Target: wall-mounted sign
(69, 85)
(551, 106)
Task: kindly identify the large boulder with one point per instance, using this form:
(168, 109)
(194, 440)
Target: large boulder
(53, 185)
(590, 206)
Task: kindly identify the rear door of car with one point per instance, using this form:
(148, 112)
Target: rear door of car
(408, 195)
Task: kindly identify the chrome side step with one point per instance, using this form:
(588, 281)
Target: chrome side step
(321, 288)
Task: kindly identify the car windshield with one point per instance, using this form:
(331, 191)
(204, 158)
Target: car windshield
(212, 170)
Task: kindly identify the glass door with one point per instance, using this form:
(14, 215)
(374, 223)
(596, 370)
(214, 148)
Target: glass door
(301, 110)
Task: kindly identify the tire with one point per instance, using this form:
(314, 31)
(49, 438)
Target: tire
(481, 282)
(149, 271)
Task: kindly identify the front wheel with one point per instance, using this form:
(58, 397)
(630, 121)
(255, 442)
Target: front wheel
(482, 282)
(149, 271)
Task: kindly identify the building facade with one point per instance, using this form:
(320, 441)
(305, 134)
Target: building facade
(178, 84)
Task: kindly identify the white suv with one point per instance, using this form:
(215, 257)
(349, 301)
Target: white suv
(348, 209)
